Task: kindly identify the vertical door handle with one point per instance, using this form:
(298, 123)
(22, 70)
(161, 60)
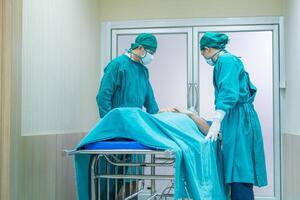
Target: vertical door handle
(189, 93)
(196, 97)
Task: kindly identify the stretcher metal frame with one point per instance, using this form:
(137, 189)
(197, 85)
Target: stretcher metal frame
(158, 158)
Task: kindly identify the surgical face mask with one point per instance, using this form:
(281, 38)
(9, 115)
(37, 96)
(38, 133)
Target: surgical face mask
(147, 58)
(210, 61)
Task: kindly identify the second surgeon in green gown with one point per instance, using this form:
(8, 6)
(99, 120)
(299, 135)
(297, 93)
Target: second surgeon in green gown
(125, 82)
(235, 116)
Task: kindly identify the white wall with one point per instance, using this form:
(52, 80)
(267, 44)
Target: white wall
(292, 42)
(111, 10)
(60, 66)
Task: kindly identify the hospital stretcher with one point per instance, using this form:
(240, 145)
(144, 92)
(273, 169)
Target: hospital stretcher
(126, 165)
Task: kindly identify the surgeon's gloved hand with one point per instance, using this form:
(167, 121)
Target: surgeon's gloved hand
(215, 126)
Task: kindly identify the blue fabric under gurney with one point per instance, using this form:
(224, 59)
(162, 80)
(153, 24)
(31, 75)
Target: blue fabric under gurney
(198, 162)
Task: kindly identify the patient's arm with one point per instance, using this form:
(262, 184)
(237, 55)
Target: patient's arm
(201, 123)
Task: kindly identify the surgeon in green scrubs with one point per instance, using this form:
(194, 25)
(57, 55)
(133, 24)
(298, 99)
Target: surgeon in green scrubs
(125, 82)
(236, 118)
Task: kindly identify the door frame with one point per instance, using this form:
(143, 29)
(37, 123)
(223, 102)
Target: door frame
(6, 48)
(107, 29)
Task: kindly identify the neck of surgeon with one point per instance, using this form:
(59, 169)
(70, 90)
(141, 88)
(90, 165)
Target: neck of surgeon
(135, 54)
(216, 53)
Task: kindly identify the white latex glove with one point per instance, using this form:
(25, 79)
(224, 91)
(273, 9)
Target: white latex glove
(215, 126)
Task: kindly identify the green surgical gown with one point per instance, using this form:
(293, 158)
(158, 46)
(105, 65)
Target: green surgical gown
(125, 83)
(243, 150)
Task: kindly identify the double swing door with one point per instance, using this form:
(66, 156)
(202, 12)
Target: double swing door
(181, 78)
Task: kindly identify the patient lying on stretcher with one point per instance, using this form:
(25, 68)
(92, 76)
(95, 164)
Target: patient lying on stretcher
(165, 131)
